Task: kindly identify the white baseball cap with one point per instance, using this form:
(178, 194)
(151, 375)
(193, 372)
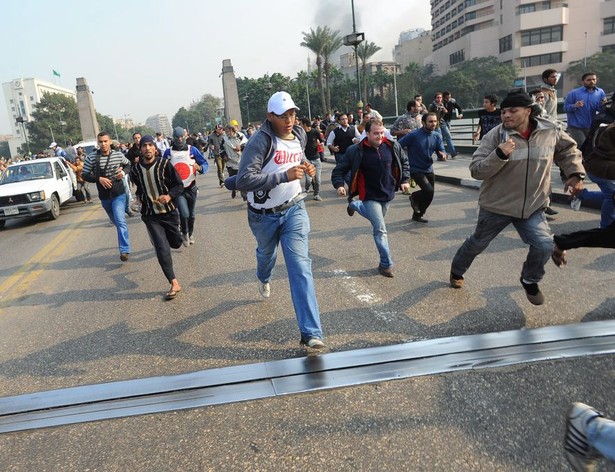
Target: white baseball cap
(52, 145)
(280, 103)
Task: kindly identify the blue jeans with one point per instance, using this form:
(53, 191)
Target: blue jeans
(601, 435)
(607, 188)
(446, 136)
(375, 212)
(316, 179)
(116, 210)
(533, 231)
(186, 203)
(290, 229)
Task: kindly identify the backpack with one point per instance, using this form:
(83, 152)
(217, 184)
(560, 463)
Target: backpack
(598, 126)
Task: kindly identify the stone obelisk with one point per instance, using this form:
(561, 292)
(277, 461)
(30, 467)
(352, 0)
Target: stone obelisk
(87, 112)
(231, 96)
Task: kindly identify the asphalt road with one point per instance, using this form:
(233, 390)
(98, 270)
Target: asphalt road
(73, 314)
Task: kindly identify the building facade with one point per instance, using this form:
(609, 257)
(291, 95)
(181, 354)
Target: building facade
(21, 96)
(413, 46)
(159, 123)
(534, 35)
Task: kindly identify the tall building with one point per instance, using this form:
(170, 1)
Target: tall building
(532, 34)
(413, 46)
(21, 95)
(159, 123)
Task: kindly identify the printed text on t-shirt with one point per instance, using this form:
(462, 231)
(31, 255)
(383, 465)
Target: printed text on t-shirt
(285, 157)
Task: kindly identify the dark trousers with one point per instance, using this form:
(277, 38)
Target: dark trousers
(164, 233)
(186, 204)
(597, 237)
(426, 183)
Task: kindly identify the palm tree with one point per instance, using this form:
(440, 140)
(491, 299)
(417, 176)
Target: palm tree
(333, 43)
(316, 41)
(365, 51)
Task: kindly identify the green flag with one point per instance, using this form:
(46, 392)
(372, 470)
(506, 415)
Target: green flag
(56, 73)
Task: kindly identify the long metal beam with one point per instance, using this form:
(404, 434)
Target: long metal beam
(291, 376)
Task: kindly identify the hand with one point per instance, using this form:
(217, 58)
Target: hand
(341, 191)
(405, 187)
(334, 148)
(460, 116)
(574, 185)
(295, 173)
(579, 103)
(196, 168)
(164, 199)
(475, 135)
(120, 174)
(507, 147)
(105, 182)
(309, 168)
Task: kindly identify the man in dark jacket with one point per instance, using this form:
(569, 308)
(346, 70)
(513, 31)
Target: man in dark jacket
(378, 168)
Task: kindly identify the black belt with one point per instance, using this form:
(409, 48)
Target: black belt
(279, 208)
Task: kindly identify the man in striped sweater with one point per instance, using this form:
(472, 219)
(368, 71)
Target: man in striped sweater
(158, 184)
(107, 168)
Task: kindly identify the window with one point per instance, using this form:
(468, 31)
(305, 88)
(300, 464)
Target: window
(542, 35)
(31, 98)
(470, 16)
(542, 59)
(457, 57)
(529, 8)
(610, 47)
(469, 3)
(609, 25)
(506, 43)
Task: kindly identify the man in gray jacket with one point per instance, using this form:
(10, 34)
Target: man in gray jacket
(514, 162)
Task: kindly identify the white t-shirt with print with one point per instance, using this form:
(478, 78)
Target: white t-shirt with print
(288, 154)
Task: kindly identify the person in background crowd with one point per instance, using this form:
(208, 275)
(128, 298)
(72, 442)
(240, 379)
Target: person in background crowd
(549, 81)
(488, 118)
(233, 146)
(313, 139)
(161, 143)
(407, 122)
(581, 106)
(216, 143)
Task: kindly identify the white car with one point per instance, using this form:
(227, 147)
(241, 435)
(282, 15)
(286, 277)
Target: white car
(88, 146)
(36, 187)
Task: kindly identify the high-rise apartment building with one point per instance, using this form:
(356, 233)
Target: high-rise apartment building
(159, 123)
(21, 95)
(532, 34)
(413, 46)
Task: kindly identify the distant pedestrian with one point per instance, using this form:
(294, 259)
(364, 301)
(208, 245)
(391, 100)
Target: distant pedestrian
(313, 140)
(372, 113)
(216, 143)
(233, 145)
(407, 122)
(158, 184)
(550, 77)
(581, 106)
(488, 118)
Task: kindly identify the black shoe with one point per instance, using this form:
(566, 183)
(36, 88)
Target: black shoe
(453, 156)
(418, 218)
(533, 293)
(385, 271)
(233, 194)
(550, 211)
(350, 210)
(130, 213)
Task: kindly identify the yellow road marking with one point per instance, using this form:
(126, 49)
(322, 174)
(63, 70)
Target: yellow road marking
(20, 282)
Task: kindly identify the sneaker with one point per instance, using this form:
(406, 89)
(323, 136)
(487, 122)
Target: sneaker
(575, 203)
(580, 455)
(313, 343)
(456, 281)
(533, 293)
(130, 213)
(124, 256)
(264, 289)
(385, 271)
(191, 239)
(307, 188)
(350, 210)
(550, 211)
(186, 241)
(233, 194)
(318, 198)
(454, 155)
(418, 218)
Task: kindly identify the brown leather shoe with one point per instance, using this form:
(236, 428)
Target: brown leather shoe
(456, 282)
(385, 271)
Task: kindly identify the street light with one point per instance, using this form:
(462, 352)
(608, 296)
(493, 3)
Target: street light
(354, 39)
(247, 99)
(21, 121)
(307, 92)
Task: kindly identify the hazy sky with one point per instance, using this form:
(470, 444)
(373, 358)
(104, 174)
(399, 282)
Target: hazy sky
(143, 57)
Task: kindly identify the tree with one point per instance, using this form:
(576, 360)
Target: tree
(55, 118)
(366, 50)
(602, 63)
(316, 41)
(333, 43)
(199, 115)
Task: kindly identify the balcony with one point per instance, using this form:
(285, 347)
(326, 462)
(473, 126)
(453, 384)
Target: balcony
(554, 16)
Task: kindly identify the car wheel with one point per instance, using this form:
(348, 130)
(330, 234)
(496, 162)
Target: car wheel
(54, 213)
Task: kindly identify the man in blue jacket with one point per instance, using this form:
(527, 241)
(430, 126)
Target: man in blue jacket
(581, 106)
(421, 144)
(272, 166)
(377, 168)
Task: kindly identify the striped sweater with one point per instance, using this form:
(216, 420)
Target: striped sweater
(97, 165)
(152, 181)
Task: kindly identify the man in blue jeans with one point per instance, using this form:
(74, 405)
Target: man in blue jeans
(270, 171)
(378, 168)
(107, 169)
(514, 162)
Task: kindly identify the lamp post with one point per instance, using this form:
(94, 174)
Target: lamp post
(354, 39)
(21, 121)
(307, 92)
(395, 88)
(247, 99)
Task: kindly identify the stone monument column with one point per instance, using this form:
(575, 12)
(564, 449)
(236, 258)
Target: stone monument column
(231, 96)
(87, 112)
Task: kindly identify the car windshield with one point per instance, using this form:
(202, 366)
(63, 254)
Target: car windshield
(27, 171)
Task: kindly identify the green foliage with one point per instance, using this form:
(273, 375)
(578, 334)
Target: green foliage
(602, 63)
(55, 118)
(365, 50)
(199, 115)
